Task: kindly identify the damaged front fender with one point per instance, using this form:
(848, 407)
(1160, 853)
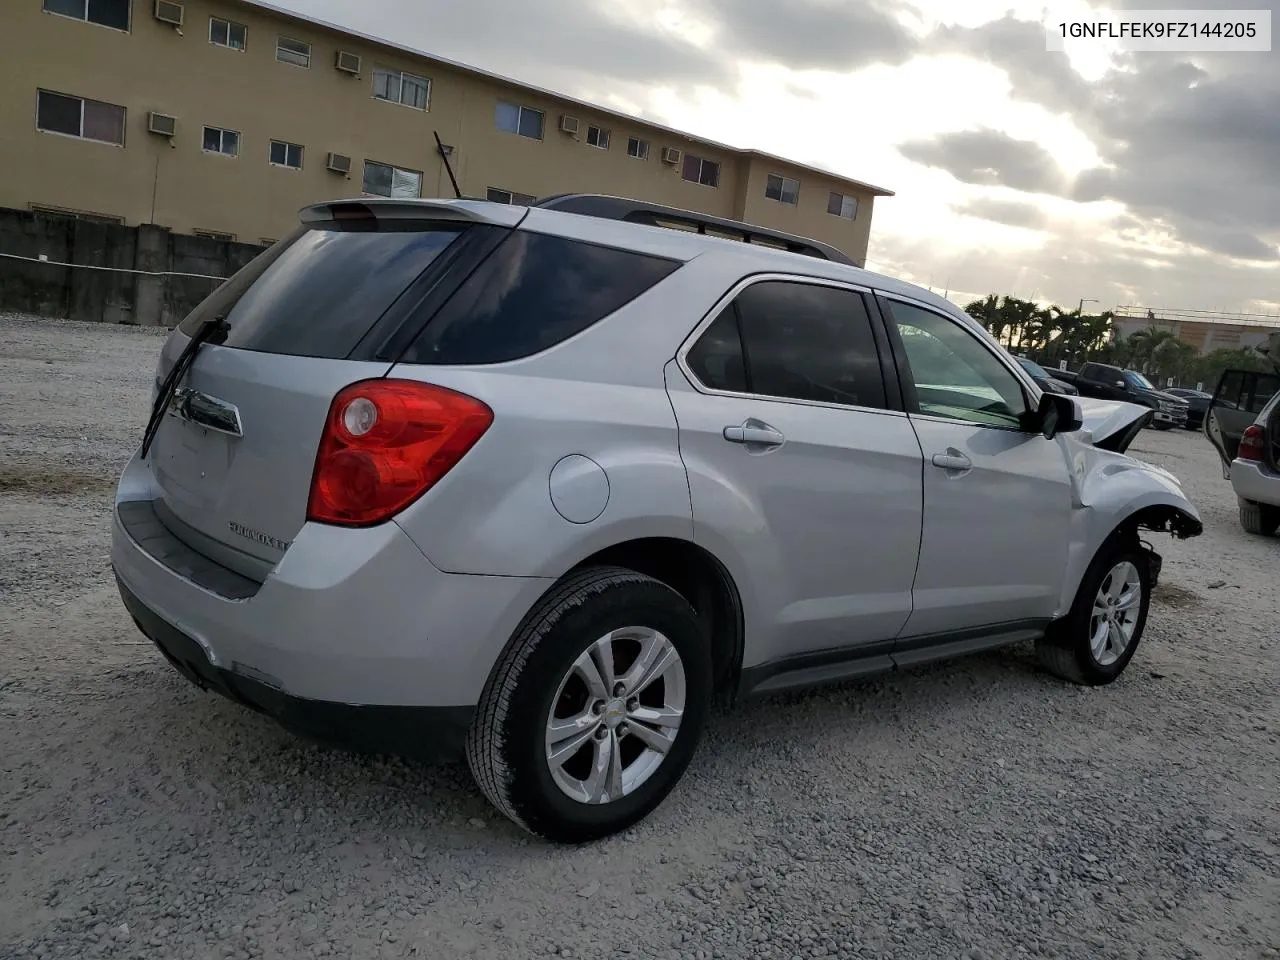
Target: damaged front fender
(1112, 491)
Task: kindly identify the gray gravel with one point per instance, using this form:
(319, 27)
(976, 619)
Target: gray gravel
(972, 810)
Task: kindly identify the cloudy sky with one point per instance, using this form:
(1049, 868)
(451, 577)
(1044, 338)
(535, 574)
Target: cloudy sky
(1148, 178)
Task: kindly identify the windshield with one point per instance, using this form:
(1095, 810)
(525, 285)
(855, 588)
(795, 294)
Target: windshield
(1033, 368)
(1138, 380)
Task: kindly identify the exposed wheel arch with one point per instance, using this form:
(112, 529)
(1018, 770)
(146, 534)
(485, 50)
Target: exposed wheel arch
(1164, 518)
(698, 576)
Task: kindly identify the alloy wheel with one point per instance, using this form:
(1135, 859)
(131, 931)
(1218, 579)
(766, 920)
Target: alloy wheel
(615, 715)
(1115, 613)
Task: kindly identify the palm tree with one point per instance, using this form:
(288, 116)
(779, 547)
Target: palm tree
(987, 312)
(1143, 344)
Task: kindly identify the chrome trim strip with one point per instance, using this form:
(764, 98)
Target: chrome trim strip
(689, 341)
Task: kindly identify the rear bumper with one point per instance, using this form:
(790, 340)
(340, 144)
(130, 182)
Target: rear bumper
(346, 618)
(424, 732)
(1253, 481)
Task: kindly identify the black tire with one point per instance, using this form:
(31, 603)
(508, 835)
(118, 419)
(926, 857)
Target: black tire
(1259, 518)
(1065, 650)
(1161, 425)
(506, 743)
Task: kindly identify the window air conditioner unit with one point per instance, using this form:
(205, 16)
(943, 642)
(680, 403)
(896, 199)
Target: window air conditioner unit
(568, 124)
(338, 163)
(163, 125)
(670, 155)
(347, 62)
(167, 11)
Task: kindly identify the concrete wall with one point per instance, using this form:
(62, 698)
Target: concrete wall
(108, 296)
(177, 184)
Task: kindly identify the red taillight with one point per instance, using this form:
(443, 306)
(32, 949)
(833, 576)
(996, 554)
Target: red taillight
(385, 444)
(1253, 444)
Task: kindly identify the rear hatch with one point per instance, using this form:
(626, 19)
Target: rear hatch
(330, 305)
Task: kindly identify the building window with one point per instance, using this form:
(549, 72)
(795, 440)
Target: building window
(225, 33)
(522, 121)
(697, 170)
(396, 86)
(841, 205)
(293, 51)
(598, 137)
(637, 148)
(384, 180)
(48, 211)
(106, 13)
(225, 142)
(215, 235)
(78, 117)
(498, 195)
(782, 189)
(286, 155)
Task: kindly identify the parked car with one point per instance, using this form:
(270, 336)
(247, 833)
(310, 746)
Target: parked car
(1106, 382)
(1197, 403)
(1243, 424)
(1044, 380)
(541, 484)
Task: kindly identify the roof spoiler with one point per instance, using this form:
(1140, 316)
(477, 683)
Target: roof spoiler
(380, 208)
(656, 215)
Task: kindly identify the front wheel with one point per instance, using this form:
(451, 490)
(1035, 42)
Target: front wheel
(1096, 640)
(596, 708)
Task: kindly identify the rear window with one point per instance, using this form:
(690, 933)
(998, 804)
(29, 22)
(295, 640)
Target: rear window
(318, 292)
(533, 292)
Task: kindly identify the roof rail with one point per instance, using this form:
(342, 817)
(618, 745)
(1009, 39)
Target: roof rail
(654, 214)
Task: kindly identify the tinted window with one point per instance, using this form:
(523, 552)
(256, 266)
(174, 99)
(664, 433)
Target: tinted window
(1101, 373)
(58, 113)
(1034, 369)
(716, 359)
(109, 13)
(809, 342)
(533, 292)
(319, 292)
(955, 374)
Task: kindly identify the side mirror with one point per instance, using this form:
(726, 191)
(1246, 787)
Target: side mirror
(1122, 385)
(1057, 414)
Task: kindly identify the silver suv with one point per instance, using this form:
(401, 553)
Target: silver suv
(544, 484)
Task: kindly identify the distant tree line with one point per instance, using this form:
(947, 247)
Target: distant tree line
(1050, 334)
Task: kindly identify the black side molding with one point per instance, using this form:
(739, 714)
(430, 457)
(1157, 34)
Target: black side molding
(845, 663)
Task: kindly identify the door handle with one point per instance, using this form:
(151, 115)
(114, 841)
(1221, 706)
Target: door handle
(754, 433)
(952, 460)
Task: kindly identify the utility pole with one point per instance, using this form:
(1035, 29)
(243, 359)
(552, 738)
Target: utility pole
(1083, 301)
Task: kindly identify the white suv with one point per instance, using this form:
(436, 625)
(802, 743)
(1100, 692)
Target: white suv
(545, 483)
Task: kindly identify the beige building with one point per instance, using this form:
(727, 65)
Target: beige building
(1206, 330)
(224, 117)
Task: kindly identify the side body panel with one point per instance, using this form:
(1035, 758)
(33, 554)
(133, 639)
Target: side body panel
(995, 536)
(821, 533)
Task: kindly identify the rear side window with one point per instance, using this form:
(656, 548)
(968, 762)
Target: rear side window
(716, 359)
(532, 293)
(319, 292)
(794, 341)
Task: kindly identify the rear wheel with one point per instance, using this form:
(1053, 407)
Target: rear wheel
(1259, 518)
(596, 707)
(1095, 641)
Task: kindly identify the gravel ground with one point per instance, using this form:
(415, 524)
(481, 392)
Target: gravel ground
(973, 810)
